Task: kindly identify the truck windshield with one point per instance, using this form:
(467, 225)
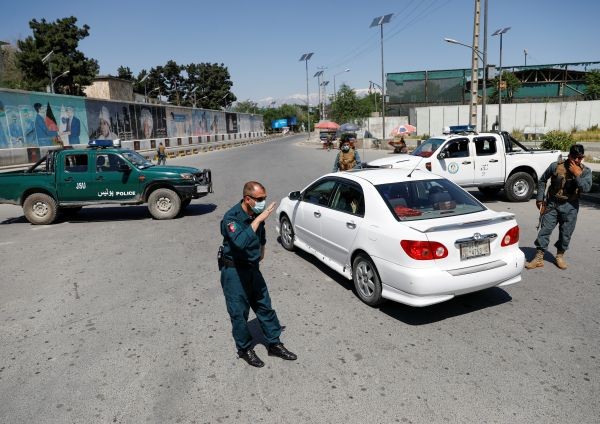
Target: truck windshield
(427, 148)
(136, 159)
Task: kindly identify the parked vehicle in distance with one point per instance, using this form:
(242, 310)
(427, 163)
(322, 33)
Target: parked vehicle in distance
(414, 238)
(66, 180)
(489, 161)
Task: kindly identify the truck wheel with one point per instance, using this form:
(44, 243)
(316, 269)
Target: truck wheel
(164, 203)
(489, 191)
(40, 209)
(519, 187)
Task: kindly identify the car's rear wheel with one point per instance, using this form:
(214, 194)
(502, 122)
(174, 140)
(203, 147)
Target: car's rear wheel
(40, 209)
(164, 203)
(286, 233)
(366, 280)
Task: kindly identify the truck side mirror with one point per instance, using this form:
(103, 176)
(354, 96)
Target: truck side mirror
(294, 195)
(123, 167)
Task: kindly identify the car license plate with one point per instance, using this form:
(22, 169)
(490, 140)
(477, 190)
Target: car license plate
(474, 249)
(202, 189)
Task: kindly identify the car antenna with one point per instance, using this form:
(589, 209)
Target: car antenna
(413, 170)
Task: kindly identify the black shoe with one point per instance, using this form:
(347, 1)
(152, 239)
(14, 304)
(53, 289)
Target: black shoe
(251, 357)
(279, 350)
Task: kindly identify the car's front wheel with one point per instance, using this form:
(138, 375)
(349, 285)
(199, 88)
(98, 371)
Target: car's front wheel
(286, 233)
(164, 203)
(366, 280)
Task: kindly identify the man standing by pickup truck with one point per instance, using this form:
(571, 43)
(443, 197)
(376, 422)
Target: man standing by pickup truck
(568, 179)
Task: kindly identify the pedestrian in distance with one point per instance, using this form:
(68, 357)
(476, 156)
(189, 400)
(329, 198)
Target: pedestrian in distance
(568, 179)
(162, 154)
(244, 239)
(347, 158)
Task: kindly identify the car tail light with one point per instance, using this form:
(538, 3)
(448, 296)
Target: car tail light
(428, 166)
(511, 236)
(424, 250)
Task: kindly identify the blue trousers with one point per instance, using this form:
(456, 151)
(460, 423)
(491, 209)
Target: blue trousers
(245, 288)
(563, 214)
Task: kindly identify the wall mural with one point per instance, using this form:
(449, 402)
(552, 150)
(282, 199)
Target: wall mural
(38, 119)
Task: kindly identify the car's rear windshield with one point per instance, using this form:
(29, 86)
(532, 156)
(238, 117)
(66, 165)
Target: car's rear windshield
(427, 199)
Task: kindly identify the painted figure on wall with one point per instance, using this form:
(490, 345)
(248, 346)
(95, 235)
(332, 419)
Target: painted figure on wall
(105, 130)
(44, 133)
(146, 123)
(72, 126)
(3, 133)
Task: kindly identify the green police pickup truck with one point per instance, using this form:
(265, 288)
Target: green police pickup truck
(66, 180)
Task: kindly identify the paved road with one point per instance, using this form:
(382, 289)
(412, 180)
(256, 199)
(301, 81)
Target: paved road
(115, 317)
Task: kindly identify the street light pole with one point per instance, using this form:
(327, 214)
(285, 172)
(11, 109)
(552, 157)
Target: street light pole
(483, 58)
(324, 84)
(318, 75)
(305, 57)
(334, 89)
(56, 79)
(500, 32)
(145, 87)
(47, 59)
(380, 21)
(525, 53)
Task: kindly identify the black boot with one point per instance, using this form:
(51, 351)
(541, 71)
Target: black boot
(277, 349)
(251, 357)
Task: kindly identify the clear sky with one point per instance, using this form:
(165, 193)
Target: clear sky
(261, 41)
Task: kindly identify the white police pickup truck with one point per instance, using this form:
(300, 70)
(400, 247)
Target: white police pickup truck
(489, 161)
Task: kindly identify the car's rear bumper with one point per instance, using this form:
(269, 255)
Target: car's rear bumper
(423, 287)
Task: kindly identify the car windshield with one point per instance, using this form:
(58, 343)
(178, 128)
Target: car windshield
(427, 148)
(136, 159)
(427, 199)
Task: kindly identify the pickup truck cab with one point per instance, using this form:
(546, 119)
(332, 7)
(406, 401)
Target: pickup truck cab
(488, 161)
(66, 180)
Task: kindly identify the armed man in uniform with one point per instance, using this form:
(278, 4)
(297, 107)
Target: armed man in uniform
(568, 179)
(243, 230)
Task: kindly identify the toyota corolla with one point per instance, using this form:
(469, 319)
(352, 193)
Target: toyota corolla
(411, 237)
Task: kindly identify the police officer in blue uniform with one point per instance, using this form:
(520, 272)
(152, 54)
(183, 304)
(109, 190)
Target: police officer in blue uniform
(243, 230)
(568, 179)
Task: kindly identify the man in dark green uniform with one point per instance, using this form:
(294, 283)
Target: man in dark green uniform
(567, 180)
(244, 240)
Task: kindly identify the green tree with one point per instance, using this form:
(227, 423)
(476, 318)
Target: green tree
(10, 75)
(592, 81)
(125, 73)
(247, 106)
(214, 85)
(512, 85)
(347, 106)
(61, 37)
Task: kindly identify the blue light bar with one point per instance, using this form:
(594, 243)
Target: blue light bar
(100, 143)
(456, 129)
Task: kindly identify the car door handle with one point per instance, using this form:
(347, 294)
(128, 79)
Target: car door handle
(466, 162)
(351, 225)
(493, 160)
(69, 179)
(317, 214)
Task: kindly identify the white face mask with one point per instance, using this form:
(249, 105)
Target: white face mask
(345, 149)
(259, 207)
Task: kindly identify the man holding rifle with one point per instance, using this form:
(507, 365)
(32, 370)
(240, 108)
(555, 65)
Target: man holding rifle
(568, 179)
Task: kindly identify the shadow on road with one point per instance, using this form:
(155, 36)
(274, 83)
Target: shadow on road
(459, 305)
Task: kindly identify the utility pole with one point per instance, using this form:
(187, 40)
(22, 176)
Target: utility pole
(306, 57)
(475, 66)
(485, 68)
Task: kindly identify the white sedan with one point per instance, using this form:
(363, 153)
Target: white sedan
(411, 237)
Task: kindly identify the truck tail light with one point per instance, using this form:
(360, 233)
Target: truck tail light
(511, 236)
(424, 250)
(428, 166)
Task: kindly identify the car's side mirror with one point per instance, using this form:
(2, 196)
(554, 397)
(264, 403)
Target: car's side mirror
(123, 167)
(294, 195)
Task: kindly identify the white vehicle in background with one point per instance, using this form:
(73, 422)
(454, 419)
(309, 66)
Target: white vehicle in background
(488, 161)
(414, 238)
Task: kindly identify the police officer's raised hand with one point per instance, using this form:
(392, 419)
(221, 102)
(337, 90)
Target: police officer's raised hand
(268, 211)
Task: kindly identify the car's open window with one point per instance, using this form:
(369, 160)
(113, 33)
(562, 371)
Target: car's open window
(76, 162)
(319, 193)
(485, 146)
(427, 199)
(349, 199)
(458, 148)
